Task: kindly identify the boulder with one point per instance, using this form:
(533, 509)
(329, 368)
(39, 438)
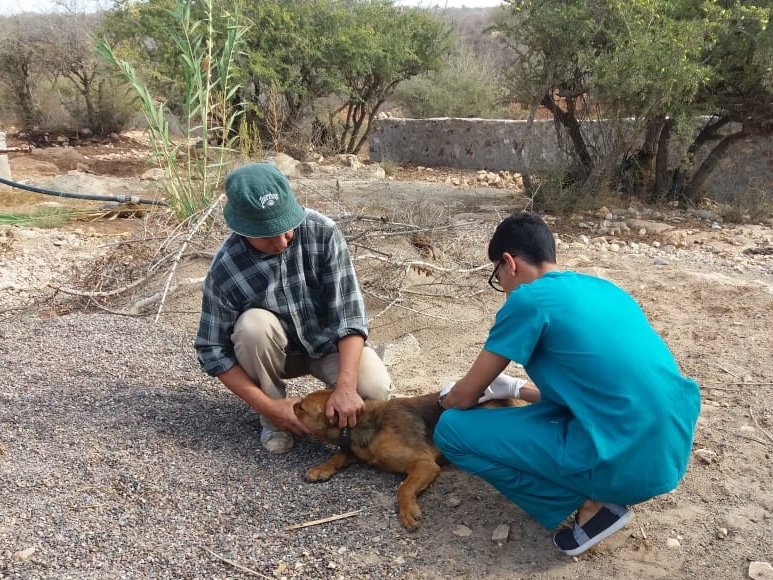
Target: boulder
(64, 158)
(30, 166)
(652, 227)
(286, 164)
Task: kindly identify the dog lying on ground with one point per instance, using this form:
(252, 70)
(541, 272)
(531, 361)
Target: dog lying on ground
(394, 435)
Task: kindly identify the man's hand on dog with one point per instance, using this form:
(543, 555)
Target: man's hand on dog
(347, 403)
(282, 416)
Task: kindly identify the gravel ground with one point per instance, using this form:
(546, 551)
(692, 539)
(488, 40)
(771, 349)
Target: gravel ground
(147, 468)
(122, 460)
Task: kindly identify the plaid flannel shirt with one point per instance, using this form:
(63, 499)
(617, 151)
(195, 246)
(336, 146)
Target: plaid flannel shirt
(311, 287)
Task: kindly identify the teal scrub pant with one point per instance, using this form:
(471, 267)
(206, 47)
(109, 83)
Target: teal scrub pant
(517, 450)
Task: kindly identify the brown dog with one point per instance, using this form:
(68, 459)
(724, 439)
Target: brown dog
(394, 435)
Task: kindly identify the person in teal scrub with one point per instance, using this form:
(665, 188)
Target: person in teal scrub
(612, 417)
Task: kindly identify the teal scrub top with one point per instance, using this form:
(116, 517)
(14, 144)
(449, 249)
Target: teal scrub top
(629, 413)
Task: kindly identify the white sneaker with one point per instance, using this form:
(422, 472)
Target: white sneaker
(275, 441)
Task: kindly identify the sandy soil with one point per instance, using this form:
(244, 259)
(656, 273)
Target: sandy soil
(707, 289)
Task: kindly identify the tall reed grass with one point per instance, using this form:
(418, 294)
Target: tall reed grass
(195, 168)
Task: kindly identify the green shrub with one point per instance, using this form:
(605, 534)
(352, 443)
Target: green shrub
(467, 87)
(753, 205)
(389, 166)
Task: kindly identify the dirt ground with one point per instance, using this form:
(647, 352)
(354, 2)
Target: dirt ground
(706, 286)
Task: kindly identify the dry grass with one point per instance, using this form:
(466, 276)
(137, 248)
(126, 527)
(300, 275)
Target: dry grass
(45, 218)
(15, 199)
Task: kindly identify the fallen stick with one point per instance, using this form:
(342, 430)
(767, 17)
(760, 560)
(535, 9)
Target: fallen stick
(322, 521)
(728, 372)
(238, 566)
(419, 312)
(102, 293)
(750, 438)
(116, 312)
(427, 229)
(385, 309)
(743, 436)
(734, 383)
(446, 296)
(427, 265)
(375, 251)
(181, 252)
(751, 414)
(137, 307)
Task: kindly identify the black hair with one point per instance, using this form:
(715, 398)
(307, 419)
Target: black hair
(525, 235)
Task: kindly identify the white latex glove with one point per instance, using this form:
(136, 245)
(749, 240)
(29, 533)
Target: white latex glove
(502, 387)
(445, 389)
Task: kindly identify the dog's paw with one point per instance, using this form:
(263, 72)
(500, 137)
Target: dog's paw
(409, 516)
(319, 473)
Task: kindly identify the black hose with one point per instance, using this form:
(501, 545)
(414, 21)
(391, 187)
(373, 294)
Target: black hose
(92, 196)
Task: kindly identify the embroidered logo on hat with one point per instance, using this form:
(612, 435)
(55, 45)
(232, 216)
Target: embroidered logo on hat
(268, 200)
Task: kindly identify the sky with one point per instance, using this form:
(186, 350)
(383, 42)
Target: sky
(8, 7)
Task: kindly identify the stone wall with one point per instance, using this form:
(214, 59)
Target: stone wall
(495, 144)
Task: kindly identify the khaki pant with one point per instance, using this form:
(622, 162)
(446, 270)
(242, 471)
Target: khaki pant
(261, 345)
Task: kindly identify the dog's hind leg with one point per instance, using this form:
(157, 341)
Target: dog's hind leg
(421, 474)
(332, 466)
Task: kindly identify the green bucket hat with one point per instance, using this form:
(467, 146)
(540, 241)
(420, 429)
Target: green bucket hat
(260, 203)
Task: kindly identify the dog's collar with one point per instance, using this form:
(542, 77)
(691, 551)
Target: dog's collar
(345, 438)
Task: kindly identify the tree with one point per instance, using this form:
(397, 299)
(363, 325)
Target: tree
(295, 54)
(651, 75)
(739, 89)
(53, 55)
(19, 70)
(378, 47)
(468, 85)
(355, 52)
(661, 63)
(554, 45)
(68, 54)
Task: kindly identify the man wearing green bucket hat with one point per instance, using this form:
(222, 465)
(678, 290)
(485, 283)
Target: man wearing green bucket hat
(281, 300)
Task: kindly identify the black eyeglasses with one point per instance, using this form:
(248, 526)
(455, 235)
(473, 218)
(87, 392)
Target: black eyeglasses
(493, 281)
